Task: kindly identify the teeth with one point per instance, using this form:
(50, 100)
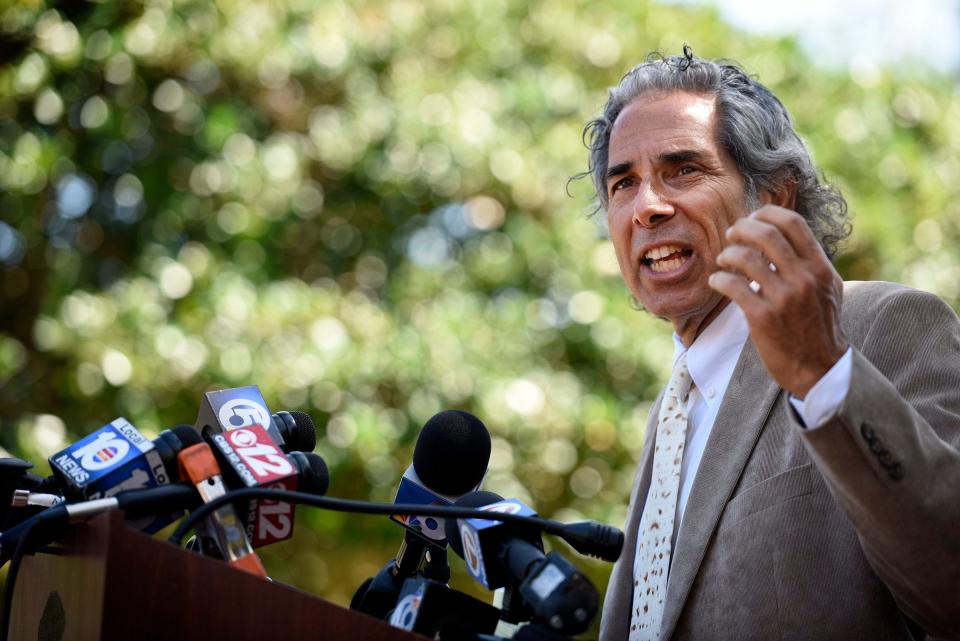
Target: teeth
(659, 252)
(666, 265)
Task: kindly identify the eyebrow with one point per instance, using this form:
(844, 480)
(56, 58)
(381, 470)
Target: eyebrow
(682, 155)
(670, 157)
(618, 169)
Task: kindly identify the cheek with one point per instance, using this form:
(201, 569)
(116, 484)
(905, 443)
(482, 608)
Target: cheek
(718, 234)
(621, 239)
(622, 256)
(620, 236)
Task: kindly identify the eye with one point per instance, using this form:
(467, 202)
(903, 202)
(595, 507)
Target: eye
(620, 184)
(686, 170)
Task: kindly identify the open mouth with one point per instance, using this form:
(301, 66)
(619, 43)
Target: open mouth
(666, 258)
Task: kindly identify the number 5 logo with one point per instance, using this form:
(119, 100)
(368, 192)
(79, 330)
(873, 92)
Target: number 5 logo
(242, 412)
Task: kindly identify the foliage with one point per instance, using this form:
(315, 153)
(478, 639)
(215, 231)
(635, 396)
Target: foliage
(362, 209)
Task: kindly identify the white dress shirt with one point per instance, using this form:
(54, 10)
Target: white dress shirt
(711, 359)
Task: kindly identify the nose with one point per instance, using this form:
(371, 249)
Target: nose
(650, 208)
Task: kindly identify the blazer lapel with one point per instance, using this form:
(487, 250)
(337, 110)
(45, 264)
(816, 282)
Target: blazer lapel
(744, 410)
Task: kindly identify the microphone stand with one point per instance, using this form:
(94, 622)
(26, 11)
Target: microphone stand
(378, 595)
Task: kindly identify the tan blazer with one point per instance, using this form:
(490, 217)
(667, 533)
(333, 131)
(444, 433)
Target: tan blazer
(849, 531)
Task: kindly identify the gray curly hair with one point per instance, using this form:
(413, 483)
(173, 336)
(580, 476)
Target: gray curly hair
(753, 126)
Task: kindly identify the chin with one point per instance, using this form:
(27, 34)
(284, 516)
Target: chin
(681, 306)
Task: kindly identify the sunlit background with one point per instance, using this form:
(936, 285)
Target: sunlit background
(363, 208)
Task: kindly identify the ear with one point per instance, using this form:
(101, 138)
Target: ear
(783, 195)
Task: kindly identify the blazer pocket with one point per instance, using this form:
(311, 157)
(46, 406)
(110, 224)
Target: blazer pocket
(789, 484)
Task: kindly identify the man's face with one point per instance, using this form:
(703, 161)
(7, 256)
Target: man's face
(672, 191)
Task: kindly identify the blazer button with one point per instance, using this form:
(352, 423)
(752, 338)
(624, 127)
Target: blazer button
(876, 446)
(867, 432)
(895, 471)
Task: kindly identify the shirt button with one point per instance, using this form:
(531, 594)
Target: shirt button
(711, 392)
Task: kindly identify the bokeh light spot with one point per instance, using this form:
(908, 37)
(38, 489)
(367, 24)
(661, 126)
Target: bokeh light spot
(49, 433)
(89, 379)
(603, 49)
(428, 247)
(341, 431)
(75, 194)
(525, 397)
(31, 73)
(329, 334)
(927, 235)
(94, 113)
(585, 307)
(485, 213)
(12, 245)
(119, 69)
(586, 482)
(604, 259)
(175, 280)
(600, 435)
(169, 96)
(558, 456)
(48, 107)
(117, 368)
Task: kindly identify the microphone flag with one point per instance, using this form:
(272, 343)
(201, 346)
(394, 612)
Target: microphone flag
(115, 458)
(471, 533)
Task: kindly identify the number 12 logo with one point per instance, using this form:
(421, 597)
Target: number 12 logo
(261, 455)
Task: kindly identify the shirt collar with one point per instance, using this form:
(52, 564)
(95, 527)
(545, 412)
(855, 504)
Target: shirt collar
(713, 355)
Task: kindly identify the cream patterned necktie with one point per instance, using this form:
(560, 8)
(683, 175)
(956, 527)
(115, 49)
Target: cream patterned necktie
(652, 563)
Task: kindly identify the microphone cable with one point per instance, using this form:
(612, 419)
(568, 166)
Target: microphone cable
(587, 537)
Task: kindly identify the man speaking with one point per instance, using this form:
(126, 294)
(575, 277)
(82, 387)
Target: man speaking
(801, 474)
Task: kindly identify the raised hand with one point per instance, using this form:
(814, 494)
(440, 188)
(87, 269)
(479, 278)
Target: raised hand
(794, 308)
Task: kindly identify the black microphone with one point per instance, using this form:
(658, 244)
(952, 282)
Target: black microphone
(118, 458)
(147, 503)
(230, 409)
(31, 494)
(250, 444)
(298, 431)
(435, 610)
(249, 457)
(547, 587)
(450, 458)
(313, 475)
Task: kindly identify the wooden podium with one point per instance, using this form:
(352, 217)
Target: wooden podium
(112, 582)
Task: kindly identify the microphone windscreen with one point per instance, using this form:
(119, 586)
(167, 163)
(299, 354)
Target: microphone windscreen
(187, 434)
(473, 499)
(303, 436)
(452, 452)
(314, 474)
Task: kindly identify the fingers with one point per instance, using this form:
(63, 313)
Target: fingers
(763, 236)
(748, 262)
(785, 238)
(737, 289)
(793, 227)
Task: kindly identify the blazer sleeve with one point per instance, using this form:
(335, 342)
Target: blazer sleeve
(891, 454)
